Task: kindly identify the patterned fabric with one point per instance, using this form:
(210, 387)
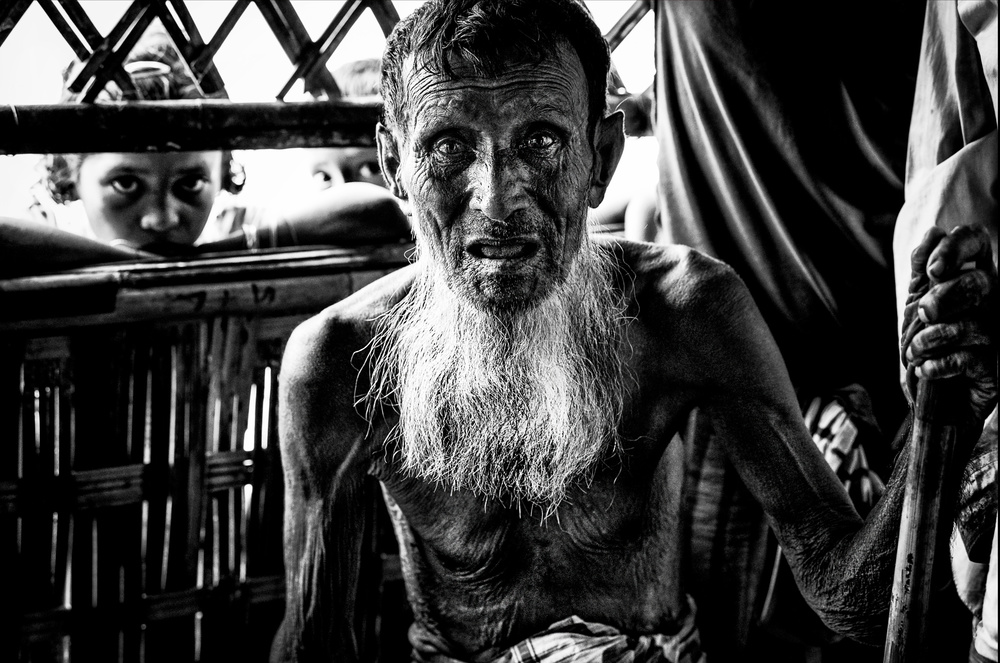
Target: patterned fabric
(840, 424)
(836, 436)
(573, 640)
(974, 542)
(977, 499)
(581, 642)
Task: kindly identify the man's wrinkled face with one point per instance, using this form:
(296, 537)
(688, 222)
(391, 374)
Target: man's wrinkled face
(498, 174)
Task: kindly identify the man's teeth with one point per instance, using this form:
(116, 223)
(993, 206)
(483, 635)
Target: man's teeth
(502, 251)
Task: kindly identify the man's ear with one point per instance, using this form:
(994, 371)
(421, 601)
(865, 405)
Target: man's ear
(609, 142)
(388, 160)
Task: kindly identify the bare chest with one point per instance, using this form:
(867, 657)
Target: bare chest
(496, 573)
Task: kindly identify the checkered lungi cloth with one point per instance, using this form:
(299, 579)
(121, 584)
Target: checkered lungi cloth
(573, 640)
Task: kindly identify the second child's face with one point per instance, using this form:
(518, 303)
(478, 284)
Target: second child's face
(149, 199)
(340, 165)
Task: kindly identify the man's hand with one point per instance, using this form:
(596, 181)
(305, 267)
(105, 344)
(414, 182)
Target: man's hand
(948, 322)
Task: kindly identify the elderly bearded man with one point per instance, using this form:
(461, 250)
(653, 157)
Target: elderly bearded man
(516, 390)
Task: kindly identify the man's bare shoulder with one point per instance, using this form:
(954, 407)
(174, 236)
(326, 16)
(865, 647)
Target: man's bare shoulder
(676, 277)
(320, 344)
(319, 378)
(694, 315)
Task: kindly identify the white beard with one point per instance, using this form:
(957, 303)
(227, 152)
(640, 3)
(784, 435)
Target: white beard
(519, 406)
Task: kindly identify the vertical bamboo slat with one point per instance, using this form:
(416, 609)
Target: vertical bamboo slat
(11, 585)
(141, 495)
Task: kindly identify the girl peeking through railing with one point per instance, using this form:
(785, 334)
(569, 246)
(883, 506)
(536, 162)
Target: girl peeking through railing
(182, 203)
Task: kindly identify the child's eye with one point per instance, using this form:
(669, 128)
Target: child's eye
(324, 178)
(126, 185)
(192, 184)
(369, 169)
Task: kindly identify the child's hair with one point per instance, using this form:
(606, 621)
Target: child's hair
(359, 78)
(158, 73)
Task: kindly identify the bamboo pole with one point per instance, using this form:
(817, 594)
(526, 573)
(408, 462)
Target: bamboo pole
(184, 125)
(623, 28)
(931, 453)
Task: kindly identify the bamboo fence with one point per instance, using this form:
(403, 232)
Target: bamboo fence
(140, 473)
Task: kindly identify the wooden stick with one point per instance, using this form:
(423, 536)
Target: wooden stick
(228, 23)
(106, 48)
(328, 42)
(81, 22)
(385, 13)
(185, 125)
(294, 38)
(616, 35)
(10, 15)
(208, 76)
(931, 452)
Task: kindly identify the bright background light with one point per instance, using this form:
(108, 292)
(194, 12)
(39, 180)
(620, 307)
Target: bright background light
(251, 62)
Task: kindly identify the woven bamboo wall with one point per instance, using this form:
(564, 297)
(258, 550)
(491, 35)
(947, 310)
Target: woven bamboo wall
(140, 474)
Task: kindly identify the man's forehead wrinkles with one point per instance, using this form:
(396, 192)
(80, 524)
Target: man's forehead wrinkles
(543, 77)
(518, 112)
(527, 99)
(558, 94)
(552, 78)
(534, 76)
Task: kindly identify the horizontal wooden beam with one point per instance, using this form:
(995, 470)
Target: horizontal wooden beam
(164, 126)
(272, 282)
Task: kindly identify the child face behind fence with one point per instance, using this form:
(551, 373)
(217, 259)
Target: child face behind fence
(157, 201)
(358, 81)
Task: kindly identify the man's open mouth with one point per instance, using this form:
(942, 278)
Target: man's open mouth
(504, 250)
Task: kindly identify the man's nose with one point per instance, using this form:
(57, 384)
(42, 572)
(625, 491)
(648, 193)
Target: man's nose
(498, 187)
(161, 216)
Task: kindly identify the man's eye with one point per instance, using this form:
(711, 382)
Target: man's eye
(448, 147)
(540, 141)
(126, 185)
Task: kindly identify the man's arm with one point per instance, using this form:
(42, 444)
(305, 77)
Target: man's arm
(323, 452)
(844, 567)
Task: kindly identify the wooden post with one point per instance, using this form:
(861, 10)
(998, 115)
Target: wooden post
(188, 125)
(931, 452)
